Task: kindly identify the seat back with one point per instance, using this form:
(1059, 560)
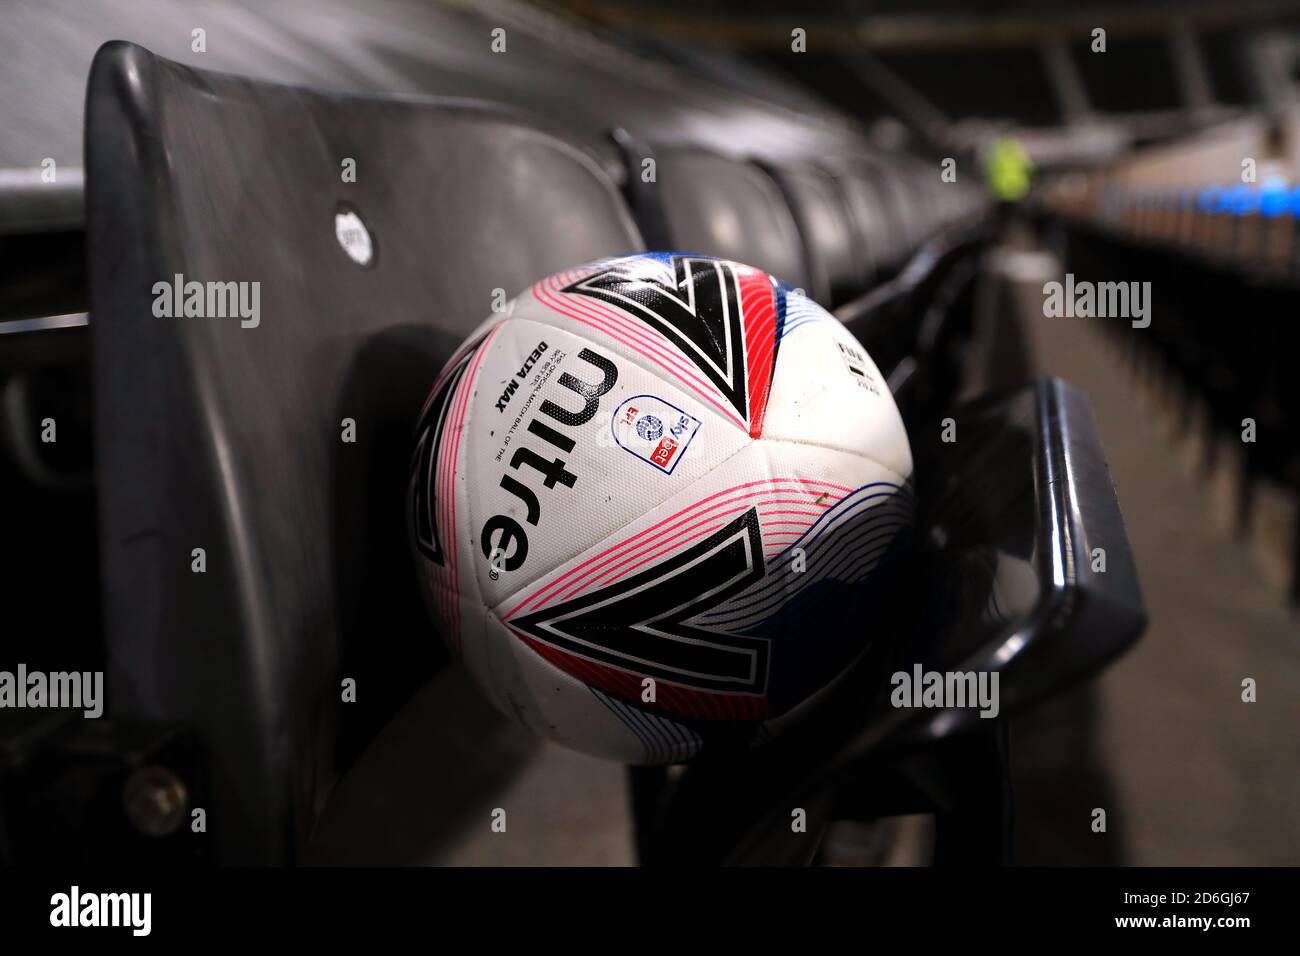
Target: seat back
(903, 206)
(834, 262)
(879, 250)
(252, 472)
(719, 206)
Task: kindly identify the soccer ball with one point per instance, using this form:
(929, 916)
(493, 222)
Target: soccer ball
(650, 502)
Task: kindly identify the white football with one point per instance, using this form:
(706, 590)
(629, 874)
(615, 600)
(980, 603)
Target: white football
(650, 502)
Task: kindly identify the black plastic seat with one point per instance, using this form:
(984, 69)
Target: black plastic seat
(720, 206)
(879, 250)
(228, 438)
(835, 264)
(882, 181)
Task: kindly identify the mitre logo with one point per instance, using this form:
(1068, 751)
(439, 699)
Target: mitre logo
(696, 306)
(644, 623)
(503, 539)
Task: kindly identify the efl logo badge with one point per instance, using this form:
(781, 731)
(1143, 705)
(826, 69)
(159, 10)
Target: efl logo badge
(654, 431)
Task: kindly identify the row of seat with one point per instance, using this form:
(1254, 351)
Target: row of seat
(1247, 226)
(211, 435)
(1222, 306)
(850, 232)
(834, 229)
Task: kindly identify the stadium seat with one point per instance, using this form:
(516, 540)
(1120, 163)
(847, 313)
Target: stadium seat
(230, 439)
(868, 211)
(721, 206)
(894, 175)
(883, 178)
(834, 263)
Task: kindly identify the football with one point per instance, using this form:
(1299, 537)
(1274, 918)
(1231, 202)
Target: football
(651, 502)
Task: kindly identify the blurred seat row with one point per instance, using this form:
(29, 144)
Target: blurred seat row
(1251, 227)
(834, 227)
(1224, 273)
